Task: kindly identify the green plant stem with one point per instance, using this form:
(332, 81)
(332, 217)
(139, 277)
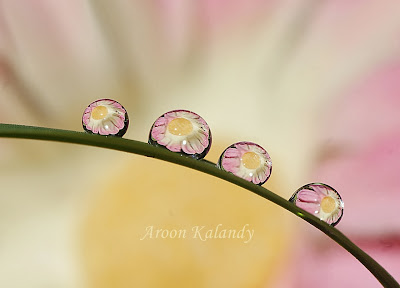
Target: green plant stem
(136, 147)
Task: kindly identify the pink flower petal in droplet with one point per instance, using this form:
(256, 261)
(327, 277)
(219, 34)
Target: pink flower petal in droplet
(174, 147)
(231, 160)
(309, 196)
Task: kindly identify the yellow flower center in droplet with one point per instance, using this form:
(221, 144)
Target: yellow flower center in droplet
(99, 112)
(328, 204)
(250, 160)
(180, 127)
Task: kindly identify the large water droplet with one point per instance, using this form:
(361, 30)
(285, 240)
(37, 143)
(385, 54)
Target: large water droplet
(105, 117)
(247, 160)
(182, 131)
(321, 200)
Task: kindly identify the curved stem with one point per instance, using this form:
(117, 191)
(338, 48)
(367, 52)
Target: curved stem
(136, 147)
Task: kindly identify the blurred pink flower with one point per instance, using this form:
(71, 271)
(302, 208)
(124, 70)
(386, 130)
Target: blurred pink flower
(362, 160)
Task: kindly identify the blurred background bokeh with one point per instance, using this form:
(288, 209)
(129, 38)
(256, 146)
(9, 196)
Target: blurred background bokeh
(316, 83)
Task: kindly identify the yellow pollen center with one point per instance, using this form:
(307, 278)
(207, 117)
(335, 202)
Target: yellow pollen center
(99, 112)
(328, 204)
(250, 160)
(180, 127)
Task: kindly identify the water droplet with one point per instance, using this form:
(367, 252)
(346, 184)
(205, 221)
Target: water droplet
(182, 131)
(105, 117)
(321, 200)
(247, 160)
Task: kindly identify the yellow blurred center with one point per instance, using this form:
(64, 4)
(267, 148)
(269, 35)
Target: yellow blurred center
(250, 160)
(180, 127)
(328, 204)
(99, 112)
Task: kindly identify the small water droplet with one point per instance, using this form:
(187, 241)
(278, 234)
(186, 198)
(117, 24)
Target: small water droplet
(321, 200)
(247, 160)
(105, 117)
(182, 131)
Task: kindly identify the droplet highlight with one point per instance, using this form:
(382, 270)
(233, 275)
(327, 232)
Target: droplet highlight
(320, 200)
(247, 160)
(182, 131)
(105, 117)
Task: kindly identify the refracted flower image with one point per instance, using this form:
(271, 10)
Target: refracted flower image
(105, 117)
(182, 131)
(321, 200)
(247, 160)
